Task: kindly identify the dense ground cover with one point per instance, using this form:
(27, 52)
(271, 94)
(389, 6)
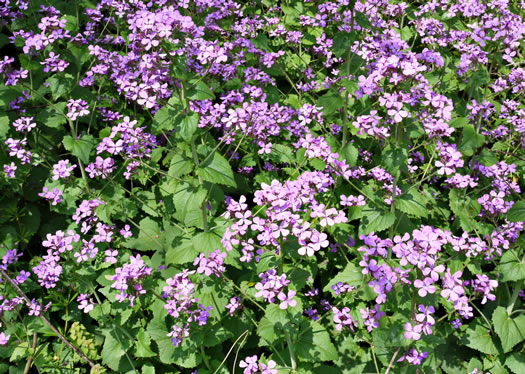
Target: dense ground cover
(262, 187)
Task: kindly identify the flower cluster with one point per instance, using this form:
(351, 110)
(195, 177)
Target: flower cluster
(128, 279)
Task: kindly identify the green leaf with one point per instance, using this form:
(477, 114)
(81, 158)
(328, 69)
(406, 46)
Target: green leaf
(112, 352)
(463, 210)
(217, 169)
(517, 212)
(188, 204)
(512, 266)
(330, 102)
(362, 20)
(487, 158)
(179, 165)
(61, 86)
(351, 275)
(207, 241)
(516, 362)
(313, 343)
(164, 119)
(53, 116)
(80, 147)
(510, 330)
(142, 345)
(148, 369)
(30, 221)
(199, 91)
(8, 94)
(186, 125)
(182, 254)
(459, 122)
(266, 331)
(342, 41)
(470, 141)
(375, 220)
(4, 126)
(21, 350)
(185, 354)
(350, 153)
(478, 337)
(395, 159)
(149, 237)
(412, 203)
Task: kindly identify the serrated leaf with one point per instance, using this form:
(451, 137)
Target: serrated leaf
(512, 266)
(330, 102)
(8, 94)
(478, 337)
(459, 122)
(149, 238)
(217, 169)
(199, 91)
(148, 369)
(188, 204)
(463, 212)
(180, 165)
(510, 330)
(516, 363)
(375, 220)
(52, 116)
(395, 159)
(350, 153)
(4, 126)
(207, 242)
(517, 212)
(266, 331)
(79, 147)
(165, 117)
(183, 253)
(412, 203)
(112, 352)
(314, 344)
(351, 275)
(186, 125)
(185, 354)
(470, 141)
(487, 158)
(142, 345)
(61, 86)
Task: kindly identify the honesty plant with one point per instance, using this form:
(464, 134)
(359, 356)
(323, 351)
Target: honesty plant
(262, 187)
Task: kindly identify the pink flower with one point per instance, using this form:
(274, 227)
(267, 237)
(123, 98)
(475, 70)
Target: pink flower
(4, 339)
(249, 364)
(287, 301)
(412, 332)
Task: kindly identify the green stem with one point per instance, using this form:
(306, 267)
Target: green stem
(345, 108)
(515, 295)
(204, 358)
(290, 349)
(375, 359)
(204, 205)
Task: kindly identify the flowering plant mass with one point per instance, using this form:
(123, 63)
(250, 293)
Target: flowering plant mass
(262, 186)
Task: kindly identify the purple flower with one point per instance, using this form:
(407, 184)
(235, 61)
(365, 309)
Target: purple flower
(4, 339)
(249, 364)
(86, 303)
(127, 279)
(9, 170)
(287, 301)
(62, 169)
(412, 332)
(234, 305)
(77, 108)
(214, 264)
(456, 323)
